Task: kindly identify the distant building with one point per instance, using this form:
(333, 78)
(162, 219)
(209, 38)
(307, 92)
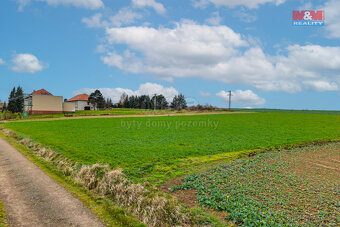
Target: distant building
(81, 102)
(43, 102)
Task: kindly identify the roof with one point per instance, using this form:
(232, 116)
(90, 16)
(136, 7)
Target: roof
(41, 92)
(81, 97)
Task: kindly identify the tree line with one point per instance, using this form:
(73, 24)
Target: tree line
(137, 102)
(155, 102)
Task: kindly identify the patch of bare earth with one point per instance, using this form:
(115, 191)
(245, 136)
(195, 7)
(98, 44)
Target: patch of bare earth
(187, 197)
(319, 164)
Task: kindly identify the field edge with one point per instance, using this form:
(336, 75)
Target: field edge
(109, 213)
(103, 207)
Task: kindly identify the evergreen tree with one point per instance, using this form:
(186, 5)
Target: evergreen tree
(145, 102)
(122, 99)
(126, 103)
(11, 101)
(161, 102)
(133, 102)
(108, 103)
(97, 100)
(179, 102)
(19, 100)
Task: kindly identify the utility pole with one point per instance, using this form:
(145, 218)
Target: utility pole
(154, 104)
(229, 100)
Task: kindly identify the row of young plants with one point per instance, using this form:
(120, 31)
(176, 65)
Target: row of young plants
(144, 201)
(262, 191)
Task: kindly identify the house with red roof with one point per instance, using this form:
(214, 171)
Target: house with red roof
(43, 102)
(41, 92)
(81, 102)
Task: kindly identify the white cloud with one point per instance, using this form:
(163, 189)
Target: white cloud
(204, 94)
(218, 53)
(244, 15)
(215, 19)
(319, 85)
(26, 63)
(245, 98)
(251, 4)
(200, 45)
(2, 62)
(128, 62)
(22, 4)
(158, 7)
(332, 15)
(95, 21)
(87, 4)
(144, 89)
(124, 16)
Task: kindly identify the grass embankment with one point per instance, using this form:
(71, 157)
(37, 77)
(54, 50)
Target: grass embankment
(294, 187)
(160, 148)
(2, 215)
(103, 190)
(108, 212)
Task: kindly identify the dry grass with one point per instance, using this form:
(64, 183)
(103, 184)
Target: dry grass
(146, 202)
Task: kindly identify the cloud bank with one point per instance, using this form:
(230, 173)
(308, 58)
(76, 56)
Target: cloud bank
(218, 53)
(144, 89)
(244, 98)
(87, 4)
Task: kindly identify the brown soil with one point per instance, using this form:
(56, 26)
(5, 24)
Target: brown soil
(187, 197)
(31, 198)
(320, 164)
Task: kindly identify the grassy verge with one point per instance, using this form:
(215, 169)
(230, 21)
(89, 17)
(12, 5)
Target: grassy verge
(2, 215)
(295, 187)
(146, 202)
(108, 212)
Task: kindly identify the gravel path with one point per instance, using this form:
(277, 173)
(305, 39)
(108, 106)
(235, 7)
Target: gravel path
(31, 198)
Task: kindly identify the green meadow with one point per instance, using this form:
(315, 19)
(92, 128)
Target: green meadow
(159, 148)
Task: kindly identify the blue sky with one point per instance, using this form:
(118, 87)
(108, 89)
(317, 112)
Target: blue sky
(201, 48)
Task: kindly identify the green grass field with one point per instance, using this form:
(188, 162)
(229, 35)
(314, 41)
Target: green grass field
(157, 148)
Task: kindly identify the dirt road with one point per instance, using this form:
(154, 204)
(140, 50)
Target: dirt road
(31, 198)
